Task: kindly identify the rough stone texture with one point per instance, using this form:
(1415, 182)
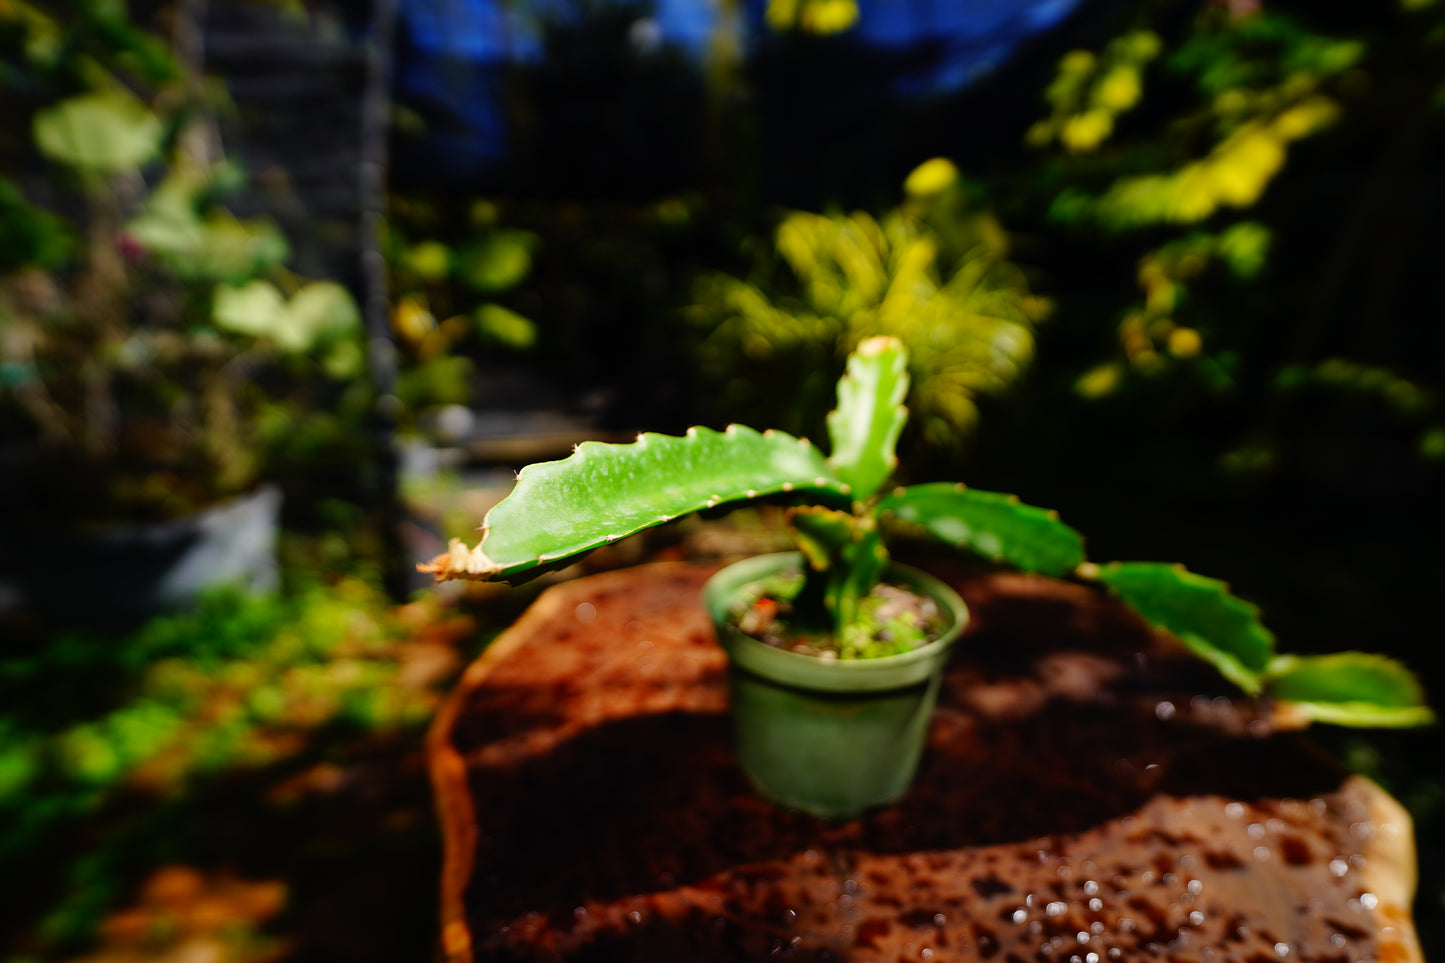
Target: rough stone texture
(1090, 793)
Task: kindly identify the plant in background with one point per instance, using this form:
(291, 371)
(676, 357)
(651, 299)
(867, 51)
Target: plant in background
(140, 321)
(933, 272)
(462, 281)
(843, 508)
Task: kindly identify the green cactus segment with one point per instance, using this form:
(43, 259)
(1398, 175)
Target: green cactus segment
(870, 415)
(996, 526)
(846, 551)
(604, 492)
(1349, 689)
(1220, 628)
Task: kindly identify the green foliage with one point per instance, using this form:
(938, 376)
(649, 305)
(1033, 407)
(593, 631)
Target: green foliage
(1348, 688)
(503, 326)
(29, 234)
(1223, 630)
(604, 492)
(451, 280)
(989, 524)
(849, 553)
(199, 246)
(190, 694)
(102, 133)
(865, 426)
(137, 388)
(497, 261)
(933, 273)
(321, 312)
(818, 17)
(1089, 93)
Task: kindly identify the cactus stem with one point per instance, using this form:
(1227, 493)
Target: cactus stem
(898, 492)
(711, 503)
(730, 430)
(692, 432)
(752, 493)
(958, 487)
(1087, 570)
(787, 486)
(845, 489)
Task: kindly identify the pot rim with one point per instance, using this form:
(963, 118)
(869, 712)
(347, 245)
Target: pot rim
(833, 675)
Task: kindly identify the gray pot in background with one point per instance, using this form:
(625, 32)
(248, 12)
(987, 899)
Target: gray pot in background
(117, 577)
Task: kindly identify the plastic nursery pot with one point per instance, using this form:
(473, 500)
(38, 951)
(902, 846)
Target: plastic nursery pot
(833, 738)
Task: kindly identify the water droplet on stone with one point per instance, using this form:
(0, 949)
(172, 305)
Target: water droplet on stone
(585, 612)
(1164, 710)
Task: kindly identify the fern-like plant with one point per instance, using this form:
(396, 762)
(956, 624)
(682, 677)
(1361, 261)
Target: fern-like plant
(843, 511)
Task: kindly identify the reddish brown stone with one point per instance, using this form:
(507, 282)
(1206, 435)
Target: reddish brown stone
(1091, 793)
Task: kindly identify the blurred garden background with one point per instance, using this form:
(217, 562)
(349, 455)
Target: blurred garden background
(289, 288)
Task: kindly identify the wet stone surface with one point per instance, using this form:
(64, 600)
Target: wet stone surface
(1090, 794)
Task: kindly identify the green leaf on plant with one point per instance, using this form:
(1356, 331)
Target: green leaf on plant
(1215, 625)
(864, 428)
(102, 132)
(848, 553)
(1349, 689)
(605, 492)
(994, 525)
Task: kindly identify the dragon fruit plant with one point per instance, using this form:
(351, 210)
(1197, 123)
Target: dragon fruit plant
(842, 509)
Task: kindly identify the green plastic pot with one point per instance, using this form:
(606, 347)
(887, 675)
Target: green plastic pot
(833, 738)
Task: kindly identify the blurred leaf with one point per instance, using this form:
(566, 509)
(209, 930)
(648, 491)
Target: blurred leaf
(1348, 689)
(506, 327)
(499, 261)
(28, 234)
(931, 177)
(256, 309)
(996, 526)
(320, 311)
(445, 380)
(101, 132)
(429, 260)
(1219, 627)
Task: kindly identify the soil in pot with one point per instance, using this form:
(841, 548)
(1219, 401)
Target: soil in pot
(893, 620)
